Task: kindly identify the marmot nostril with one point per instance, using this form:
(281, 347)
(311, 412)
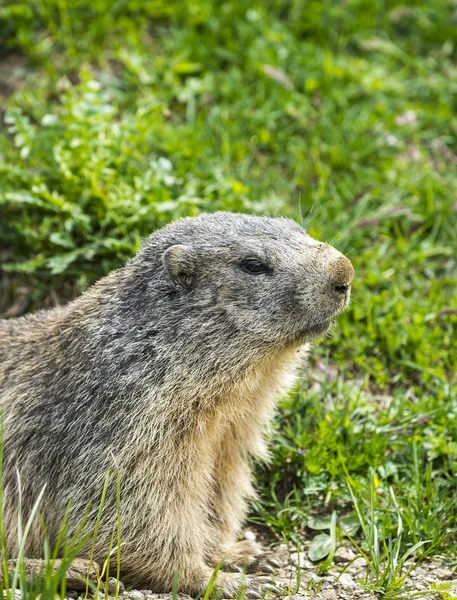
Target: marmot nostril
(342, 289)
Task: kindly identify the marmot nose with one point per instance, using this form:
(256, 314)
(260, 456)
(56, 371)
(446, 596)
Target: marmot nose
(342, 289)
(342, 274)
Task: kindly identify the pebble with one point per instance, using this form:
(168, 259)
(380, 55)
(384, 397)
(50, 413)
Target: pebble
(328, 595)
(250, 536)
(17, 594)
(300, 559)
(444, 573)
(358, 565)
(112, 585)
(346, 581)
(343, 554)
(134, 595)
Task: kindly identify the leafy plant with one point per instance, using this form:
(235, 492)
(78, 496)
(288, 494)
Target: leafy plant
(323, 545)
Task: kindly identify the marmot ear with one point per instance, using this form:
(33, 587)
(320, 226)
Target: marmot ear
(179, 263)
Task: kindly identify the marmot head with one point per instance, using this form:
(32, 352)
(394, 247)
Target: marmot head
(262, 279)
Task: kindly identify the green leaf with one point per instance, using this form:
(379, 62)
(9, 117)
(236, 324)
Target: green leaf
(59, 263)
(61, 240)
(28, 266)
(350, 525)
(185, 67)
(320, 547)
(319, 523)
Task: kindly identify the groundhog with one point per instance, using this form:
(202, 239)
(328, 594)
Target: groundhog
(167, 372)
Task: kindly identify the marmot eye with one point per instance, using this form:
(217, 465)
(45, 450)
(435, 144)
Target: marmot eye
(254, 267)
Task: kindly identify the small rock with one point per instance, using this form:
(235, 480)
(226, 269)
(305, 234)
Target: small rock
(273, 561)
(343, 554)
(157, 596)
(113, 584)
(250, 536)
(71, 594)
(346, 581)
(329, 595)
(299, 559)
(134, 595)
(443, 573)
(408, 118)
(9, 594)
(359, 564)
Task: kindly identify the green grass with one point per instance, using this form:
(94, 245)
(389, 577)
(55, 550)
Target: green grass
(341, 115)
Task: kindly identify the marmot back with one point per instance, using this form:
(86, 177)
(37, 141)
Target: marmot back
(168, 370)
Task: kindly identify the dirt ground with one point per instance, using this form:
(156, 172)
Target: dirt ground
(341, 581)
(12, 74)
(296, 576)
(336, 584)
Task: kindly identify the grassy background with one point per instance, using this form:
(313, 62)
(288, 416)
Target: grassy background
(342, 115)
